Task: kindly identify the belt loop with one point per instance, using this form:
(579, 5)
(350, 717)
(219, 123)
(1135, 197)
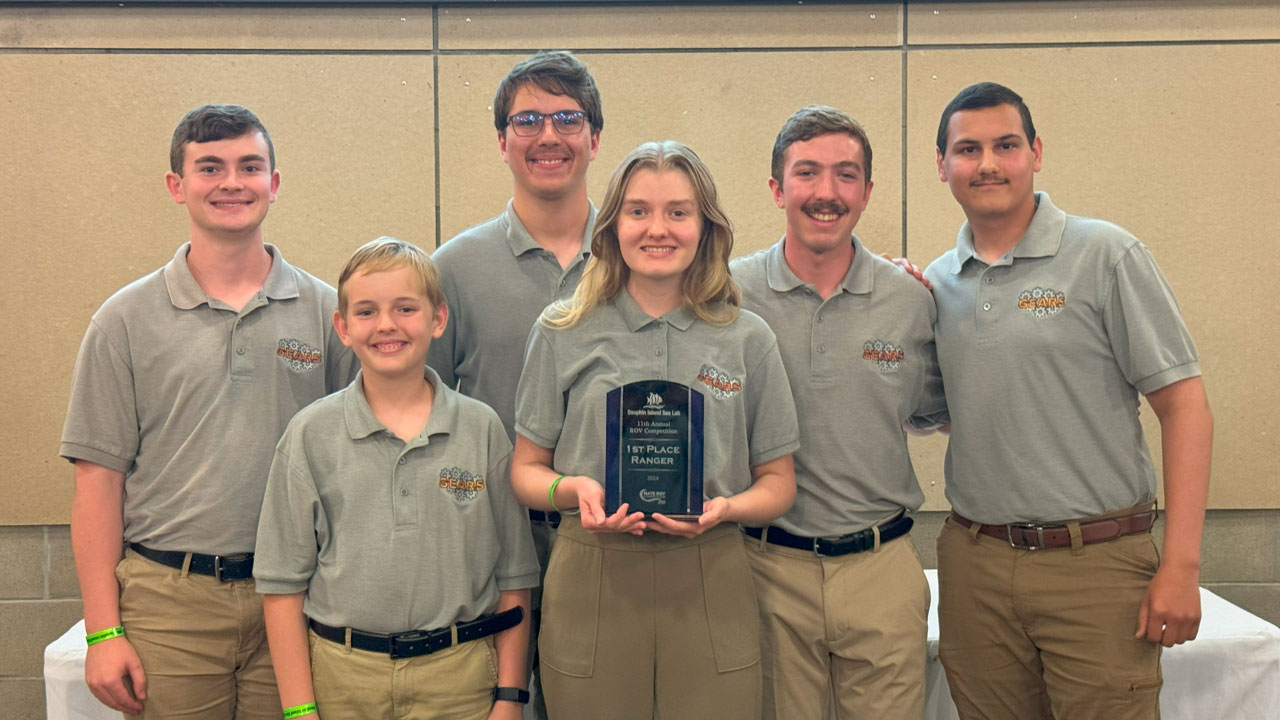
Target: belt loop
(875, 535)
(974, 529)
(453, 634)
(346, 643)
(186, 566)
(764, 538)
(1077, 541)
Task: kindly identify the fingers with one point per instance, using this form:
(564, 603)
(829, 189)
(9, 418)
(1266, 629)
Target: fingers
(671, 526)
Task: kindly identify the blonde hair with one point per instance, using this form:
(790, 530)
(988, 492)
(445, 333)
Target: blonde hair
(707, 288)
(387, 253)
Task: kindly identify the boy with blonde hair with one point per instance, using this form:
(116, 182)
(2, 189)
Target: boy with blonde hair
(389, 526)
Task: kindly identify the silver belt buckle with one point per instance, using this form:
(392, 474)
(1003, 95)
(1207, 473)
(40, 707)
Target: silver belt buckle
(1025, 526)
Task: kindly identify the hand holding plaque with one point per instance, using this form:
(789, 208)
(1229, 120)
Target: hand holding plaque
(653, 449)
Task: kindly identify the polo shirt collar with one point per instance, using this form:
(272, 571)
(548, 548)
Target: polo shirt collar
(859, 280)
(186, 294)
(361, 422)
(1042, 239)
(521, 242)
(635, 318)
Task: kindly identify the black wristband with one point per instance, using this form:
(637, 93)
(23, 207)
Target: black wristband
(511, 694)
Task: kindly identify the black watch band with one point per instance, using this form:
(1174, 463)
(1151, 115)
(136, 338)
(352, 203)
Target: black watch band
(511, 694)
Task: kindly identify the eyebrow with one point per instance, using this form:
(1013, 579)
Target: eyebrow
(215, 160)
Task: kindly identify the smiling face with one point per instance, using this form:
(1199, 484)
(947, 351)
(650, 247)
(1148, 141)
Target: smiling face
(389, 322)
(823, 191)
(659, 227)
(989, 164)
(549, 165)
(227, 186)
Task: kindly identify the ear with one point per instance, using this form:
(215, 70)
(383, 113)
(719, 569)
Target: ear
(775, 188)
(441, 320)
(1037, 149)
(502, 144)
(173, 181)
(866, 194)
(942, 170)
(275, 185)
(340, 326)
(595, 143)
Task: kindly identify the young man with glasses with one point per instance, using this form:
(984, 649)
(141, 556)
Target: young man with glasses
(499, 275)
(843, 599)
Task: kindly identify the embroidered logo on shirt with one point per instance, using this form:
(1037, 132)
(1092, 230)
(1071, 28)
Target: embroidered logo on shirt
(884, 355)
(1042, 302)
(722, 386)
(299, 356)
(462, 485)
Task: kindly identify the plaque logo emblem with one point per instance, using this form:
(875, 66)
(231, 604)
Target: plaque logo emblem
(653, 496)
(653, 402)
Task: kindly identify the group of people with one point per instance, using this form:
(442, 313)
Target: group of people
(388, 500)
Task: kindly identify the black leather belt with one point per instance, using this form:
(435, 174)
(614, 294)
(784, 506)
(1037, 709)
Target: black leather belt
(421, 642)
(857, 542)
(548, 518)
(223, 567)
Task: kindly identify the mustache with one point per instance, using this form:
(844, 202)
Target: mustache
(825, 207)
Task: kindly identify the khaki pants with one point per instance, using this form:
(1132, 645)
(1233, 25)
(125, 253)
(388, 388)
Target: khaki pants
(635, 628)
(453, 684)
(202, 643)
(853, 627)
(1046, 633)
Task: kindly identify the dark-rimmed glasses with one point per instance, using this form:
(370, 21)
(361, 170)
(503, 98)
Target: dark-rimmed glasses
(566, 122)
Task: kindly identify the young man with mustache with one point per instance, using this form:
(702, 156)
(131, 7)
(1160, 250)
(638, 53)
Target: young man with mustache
(843, 598)
(1054, 601)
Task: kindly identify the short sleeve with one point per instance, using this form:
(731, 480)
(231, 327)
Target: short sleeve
(1148, 337)
(102, 419)
(540, 402)
(772, 428)
(517, 566)
(291, 521)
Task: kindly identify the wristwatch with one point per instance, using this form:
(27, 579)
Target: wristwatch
(511, 694)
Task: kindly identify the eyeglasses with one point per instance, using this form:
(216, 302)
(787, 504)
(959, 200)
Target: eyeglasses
(566, 122)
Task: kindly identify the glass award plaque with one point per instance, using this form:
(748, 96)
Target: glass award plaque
(653, 449)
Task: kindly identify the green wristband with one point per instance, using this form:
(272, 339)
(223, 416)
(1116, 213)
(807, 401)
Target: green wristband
(299, 710)
(94, 638)
(551, 493)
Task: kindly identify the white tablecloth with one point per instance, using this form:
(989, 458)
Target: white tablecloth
(1231, 671)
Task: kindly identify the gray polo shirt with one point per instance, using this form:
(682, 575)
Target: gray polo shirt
(861, 362)
(187, 397)
(497, 279)
(1043, 354)
(748, 414)
(387, 536)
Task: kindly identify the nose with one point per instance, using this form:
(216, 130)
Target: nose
(657, 226)
(825, 186)
(988, 162)
(548, 134)
(386, 323)
(231, 180)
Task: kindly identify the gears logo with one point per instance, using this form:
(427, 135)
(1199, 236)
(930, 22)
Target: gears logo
(462, 485)
(1042, 302)
(884, 355)
(299, 356)
(722, 386)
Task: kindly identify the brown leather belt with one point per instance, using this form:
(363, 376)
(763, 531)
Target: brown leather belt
(1036, 536)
